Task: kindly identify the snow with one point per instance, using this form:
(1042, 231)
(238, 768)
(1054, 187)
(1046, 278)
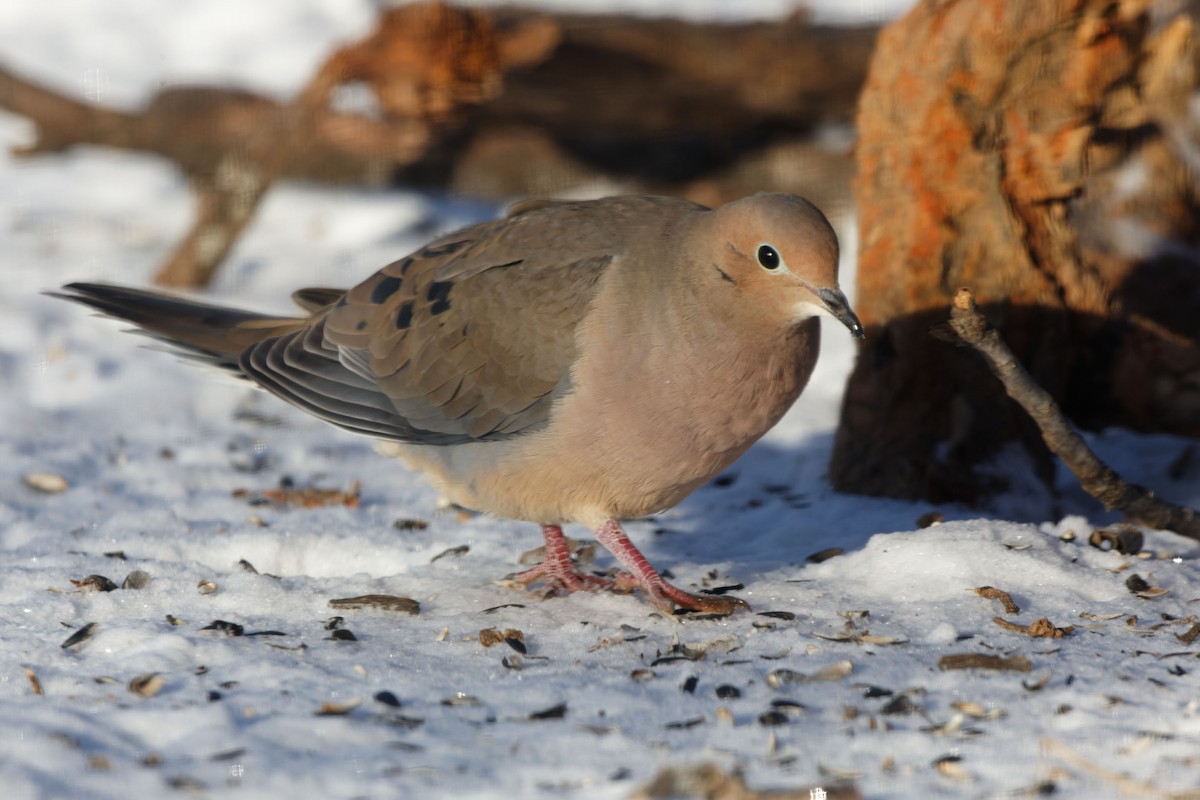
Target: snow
(153, 450)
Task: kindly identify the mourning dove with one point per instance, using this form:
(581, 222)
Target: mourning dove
(573, 362)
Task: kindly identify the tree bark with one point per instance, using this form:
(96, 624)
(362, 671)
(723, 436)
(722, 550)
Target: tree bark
(1036, 150)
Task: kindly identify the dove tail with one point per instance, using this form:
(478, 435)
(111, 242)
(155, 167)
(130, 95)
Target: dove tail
(213, 334)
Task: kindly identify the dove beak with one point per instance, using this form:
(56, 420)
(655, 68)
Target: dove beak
(836, 304)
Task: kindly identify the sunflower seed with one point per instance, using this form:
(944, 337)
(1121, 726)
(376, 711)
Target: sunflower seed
(46, 482)
(147, 685)
(81, 636)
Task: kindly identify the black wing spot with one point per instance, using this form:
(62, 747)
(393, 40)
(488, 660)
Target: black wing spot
(405, 264)
(439, 295)
(385, 289)
(361, 326)
(404, 318)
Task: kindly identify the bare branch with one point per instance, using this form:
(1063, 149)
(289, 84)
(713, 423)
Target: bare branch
(1097, 478)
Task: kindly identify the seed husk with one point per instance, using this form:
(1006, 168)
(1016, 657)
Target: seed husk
(147, 685)
(80, 636)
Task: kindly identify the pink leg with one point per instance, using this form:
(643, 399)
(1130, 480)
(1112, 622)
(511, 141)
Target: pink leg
(664, 596)
(557, 568)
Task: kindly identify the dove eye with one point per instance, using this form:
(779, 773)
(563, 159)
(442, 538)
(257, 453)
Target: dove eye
(768, 257)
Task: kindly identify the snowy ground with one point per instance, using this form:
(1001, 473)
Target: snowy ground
(154, 451)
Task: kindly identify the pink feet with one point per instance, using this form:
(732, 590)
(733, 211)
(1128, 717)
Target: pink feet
(558, 570)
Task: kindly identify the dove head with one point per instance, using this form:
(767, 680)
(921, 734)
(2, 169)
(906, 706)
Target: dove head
(781, 255)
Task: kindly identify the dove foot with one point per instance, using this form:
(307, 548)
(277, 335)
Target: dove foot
(559, 571)
(665, 597)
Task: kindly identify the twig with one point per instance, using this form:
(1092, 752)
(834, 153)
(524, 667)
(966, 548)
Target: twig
(1097, 478)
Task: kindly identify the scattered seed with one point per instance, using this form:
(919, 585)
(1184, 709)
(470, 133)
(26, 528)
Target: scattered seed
(34, 683)
(513, 662)
(951, 767)
(1152, 593)
(975, 710)
(788, 706)
(984, 661)
(784, 615)
(515, 639)
(684, 724)
(387, 698)
(490, 636)
(117, 554)
(1067, 536)
(136, 580)
(462, 699)
(719, 590)
(343, 635)
(333, 709)
(460, 550)
(1122, 538)
(728, 692)
(772, 718)
(94, 583)
(147, 685)
(442, 634)
(1101, 617)
(1037, 685)
(80, 636)
(333, 623)
(724, 715)
(207, 587)
(871, 692)
(689, 685)
(228, 755)
(501, 607)
(1018, 547)
(174, 620)
(227, 628)
(553, 712)
(726, 480)
(824, 555)
(992, 593)
(247, 566)
(46, 482)
(642, 675)
(410, 524)
(900, 705)
(385, 602)
(401, 721)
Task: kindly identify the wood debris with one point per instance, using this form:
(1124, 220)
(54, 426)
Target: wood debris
(1040, 628)
(992, 593)
(984, 661)
(304, 497)
(384, 602)
(331, 708)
